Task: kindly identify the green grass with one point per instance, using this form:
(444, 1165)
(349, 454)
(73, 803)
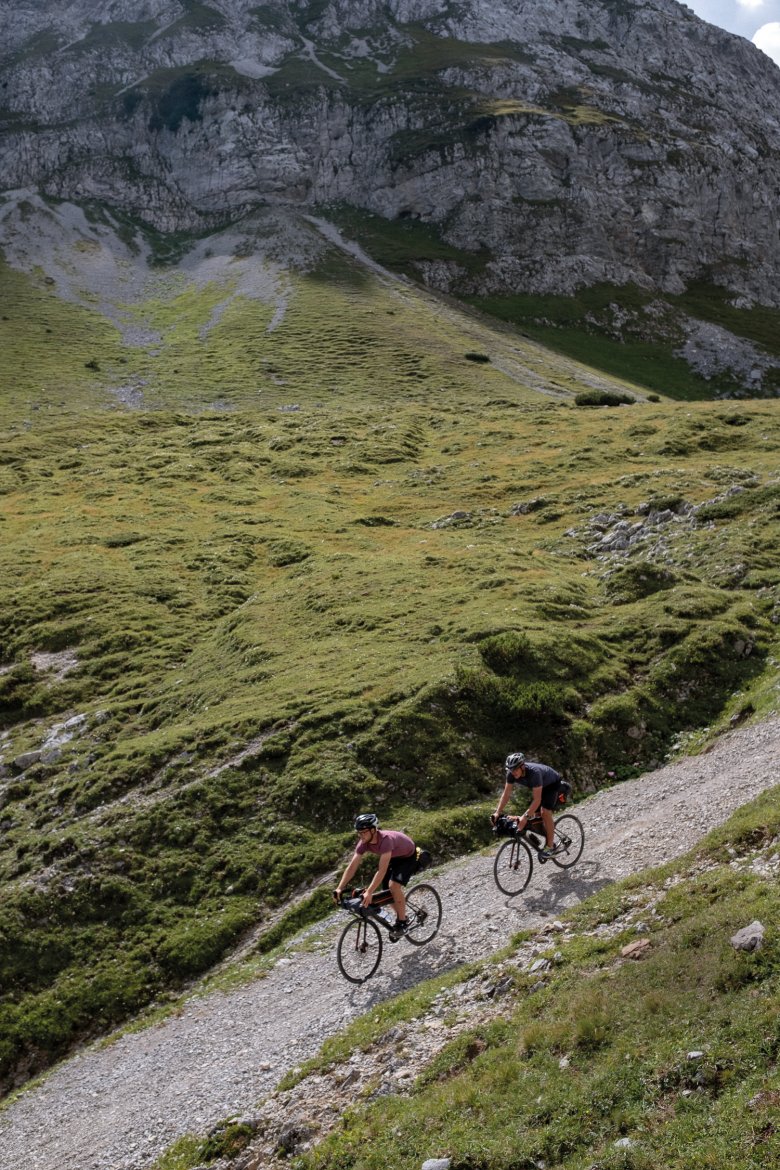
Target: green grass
(48, 344)
(343, 336)
(402, 244)
(713, 303)
(579, 327)
(103, 38)
(225, 1141)
(415, 68)
(272, 617)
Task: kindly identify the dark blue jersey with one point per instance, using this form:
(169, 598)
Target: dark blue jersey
(536, 775)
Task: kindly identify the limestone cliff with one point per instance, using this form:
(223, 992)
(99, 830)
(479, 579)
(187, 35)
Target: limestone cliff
(560, 142)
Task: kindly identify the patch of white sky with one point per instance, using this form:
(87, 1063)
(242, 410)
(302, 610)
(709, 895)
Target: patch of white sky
(758, 20)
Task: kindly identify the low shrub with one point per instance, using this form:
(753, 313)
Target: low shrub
(638, 579)
(17, 688)
(194, 946)
(311, 909)
(507, 653)
(603, 398)
(287, 552)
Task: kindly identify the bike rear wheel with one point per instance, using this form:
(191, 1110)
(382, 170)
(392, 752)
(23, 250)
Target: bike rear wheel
(569, 840)
(423, 913)
(513, 867)
(359, 950)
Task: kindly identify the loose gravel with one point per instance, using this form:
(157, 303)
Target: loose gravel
(118, 1107)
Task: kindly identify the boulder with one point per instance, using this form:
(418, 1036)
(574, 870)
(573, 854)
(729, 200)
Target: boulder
(749, 938)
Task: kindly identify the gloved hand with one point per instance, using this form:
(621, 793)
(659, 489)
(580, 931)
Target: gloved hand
(337, 896)
(493, 819)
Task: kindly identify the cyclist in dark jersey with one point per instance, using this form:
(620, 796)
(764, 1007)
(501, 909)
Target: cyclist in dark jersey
(544, 783)
(397, 862)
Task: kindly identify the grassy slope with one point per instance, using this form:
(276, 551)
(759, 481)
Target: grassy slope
(345, 338)
(268, 632)
(583, 326)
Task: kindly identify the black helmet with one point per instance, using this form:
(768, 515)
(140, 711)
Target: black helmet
(514, 761)
(366, 821)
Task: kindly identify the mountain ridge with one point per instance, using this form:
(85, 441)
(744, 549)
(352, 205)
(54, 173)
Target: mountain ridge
(575, 143)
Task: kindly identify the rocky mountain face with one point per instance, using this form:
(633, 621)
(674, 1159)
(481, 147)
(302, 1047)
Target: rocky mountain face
(555, 143)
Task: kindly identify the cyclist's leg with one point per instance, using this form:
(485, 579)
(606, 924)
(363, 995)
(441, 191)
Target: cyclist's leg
(549, 797)
(399, 899)
(398, 874)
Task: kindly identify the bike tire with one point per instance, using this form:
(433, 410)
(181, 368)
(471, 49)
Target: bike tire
(513, 867)
(423, 913)
(360, 950)
(569, 840)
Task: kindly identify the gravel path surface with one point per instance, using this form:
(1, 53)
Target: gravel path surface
(119, 1107)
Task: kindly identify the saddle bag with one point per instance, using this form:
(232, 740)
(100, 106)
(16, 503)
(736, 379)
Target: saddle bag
(424, 859)
(564, 792)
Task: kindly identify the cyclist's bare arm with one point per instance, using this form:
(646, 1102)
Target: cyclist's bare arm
(533, 808)
(347, 875)
(504, 799)
(536, 800)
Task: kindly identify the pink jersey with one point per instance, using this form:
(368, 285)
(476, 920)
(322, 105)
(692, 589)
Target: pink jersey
(388, 841)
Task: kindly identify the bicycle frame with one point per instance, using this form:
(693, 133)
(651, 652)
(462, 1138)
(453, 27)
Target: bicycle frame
(514, 862)
(361, 938)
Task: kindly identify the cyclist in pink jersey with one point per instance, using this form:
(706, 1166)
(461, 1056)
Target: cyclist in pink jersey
(397, 862)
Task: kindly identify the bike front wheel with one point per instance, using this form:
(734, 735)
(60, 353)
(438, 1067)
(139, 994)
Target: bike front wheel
(423, 913)
(513, 867)
(359, 950)
(569, 840)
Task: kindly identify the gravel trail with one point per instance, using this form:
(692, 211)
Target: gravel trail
(118, 1107)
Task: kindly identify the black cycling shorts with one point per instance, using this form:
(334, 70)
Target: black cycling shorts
(401, 869)
(550, 795)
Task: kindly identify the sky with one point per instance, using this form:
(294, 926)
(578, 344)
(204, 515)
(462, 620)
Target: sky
(757, 20)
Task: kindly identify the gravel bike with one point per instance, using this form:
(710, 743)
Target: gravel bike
(514, 863)
(360, 946)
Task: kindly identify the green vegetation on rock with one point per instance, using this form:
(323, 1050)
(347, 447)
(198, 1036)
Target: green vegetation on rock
(609, 328)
